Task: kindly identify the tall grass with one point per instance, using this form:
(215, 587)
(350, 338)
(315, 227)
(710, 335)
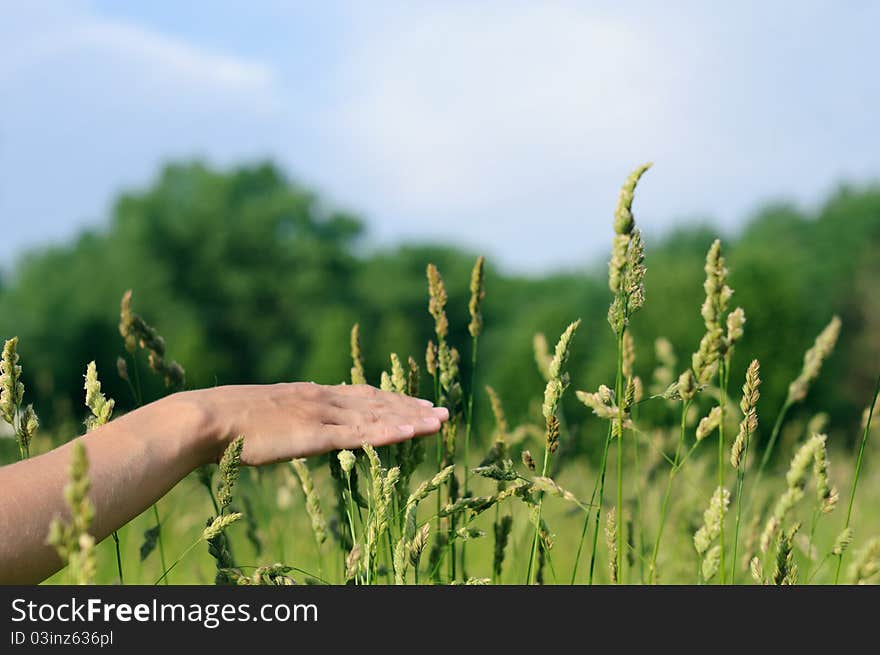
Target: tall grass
(399, 519)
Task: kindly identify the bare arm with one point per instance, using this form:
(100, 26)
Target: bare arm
(136, 459)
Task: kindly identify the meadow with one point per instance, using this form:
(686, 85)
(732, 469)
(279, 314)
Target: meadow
(681, 474)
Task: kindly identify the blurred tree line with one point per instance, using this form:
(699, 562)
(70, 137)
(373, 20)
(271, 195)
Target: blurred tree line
(252, 278)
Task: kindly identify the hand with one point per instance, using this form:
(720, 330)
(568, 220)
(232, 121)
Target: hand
(283, 421)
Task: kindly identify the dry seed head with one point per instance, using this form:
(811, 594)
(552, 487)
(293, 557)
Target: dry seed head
(713, 518)
(400, 561)
(357, 356)
(412, 377)
(437, 302)
(687, 386)
(813, 359)
(711, 562)
(842, 542)
(634, 275)
(717, 292)
(824, 491)
(313, 504)
(28, 427)
(629, 354)
(749, 424)
(100, 406)
(71, 540)
(623, 216)
(735, 322)
(866, 565)
(757, 570)
(796, 479)
(431, 359)
(542, 354)
(477, 294)
(219, 524)
(417, 546)
(617, 265)
(352, 562)
(750, 389)
(549, 485)
(705, 361)
(601, 404)
(398, 375)
(347, 460)
(611, 542)
(229, 466)
(385, 383)
(528, 460)
(11, 388)
(638, 389)
(558, 381)
(817, 423)
(708, 424)
(501, 426)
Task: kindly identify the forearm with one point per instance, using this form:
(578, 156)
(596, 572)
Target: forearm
(133, 461)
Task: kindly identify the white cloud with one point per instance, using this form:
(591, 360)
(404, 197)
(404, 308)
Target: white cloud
(49, 34)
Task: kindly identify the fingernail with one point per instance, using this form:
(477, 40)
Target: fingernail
(426, 403)
(406, 430)
(441, 413)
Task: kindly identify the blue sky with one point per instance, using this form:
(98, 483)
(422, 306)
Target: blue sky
(504, 126)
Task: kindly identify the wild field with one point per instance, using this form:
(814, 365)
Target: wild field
(691, 478)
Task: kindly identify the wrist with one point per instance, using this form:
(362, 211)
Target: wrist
(203, 437)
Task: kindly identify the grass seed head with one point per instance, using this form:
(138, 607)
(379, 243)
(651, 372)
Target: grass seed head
(357, 357)
(437, 302)
(11, 387)
(100, 406)
(477, 294)
(623, 216)
(313, 503)
(842, 542)
(709, 423)
(230, 463)
(865, 568)
(218, 524)
(813, 359)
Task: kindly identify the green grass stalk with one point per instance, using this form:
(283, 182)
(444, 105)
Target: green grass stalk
(664, 507)
(855, 482)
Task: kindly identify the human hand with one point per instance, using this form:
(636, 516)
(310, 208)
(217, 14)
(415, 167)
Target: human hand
(300, 419)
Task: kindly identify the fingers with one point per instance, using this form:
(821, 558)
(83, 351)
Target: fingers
(356, 435)
(358, 394)
(425, 420)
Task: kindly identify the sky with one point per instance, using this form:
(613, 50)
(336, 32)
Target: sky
(506, 127)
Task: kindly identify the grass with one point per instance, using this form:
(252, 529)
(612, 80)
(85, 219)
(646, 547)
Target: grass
(469, 516)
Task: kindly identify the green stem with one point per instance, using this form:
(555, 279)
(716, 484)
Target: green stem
(620, 400)
(855, 483)
(652, 569)
(118, 556)
(577, 558)
(165, 571)
(467, 444)
(601, 499)
(638, 493)
(740, 479)
(536, 539)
